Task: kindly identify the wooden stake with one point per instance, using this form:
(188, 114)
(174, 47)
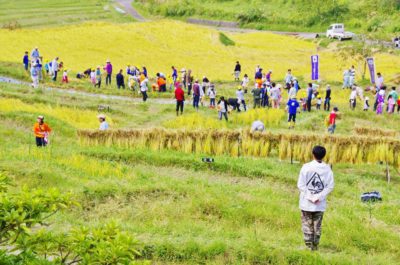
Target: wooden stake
(387, 172)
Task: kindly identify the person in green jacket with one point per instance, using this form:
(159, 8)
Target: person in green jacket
(394, 94)
(256, 92)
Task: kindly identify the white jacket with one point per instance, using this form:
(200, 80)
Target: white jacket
(54, 65)
(240, 95)
(315, 183)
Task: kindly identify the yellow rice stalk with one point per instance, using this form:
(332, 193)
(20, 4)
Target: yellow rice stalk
(340, 148)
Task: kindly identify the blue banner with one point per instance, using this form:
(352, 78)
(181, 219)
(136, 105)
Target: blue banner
(371, 68)
(314, 67)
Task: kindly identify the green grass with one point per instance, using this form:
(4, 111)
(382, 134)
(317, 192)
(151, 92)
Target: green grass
(225, 40)
(236, 211)
(306, 15)
(26, 13)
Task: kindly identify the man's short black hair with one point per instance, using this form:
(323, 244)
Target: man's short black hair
(319, 152)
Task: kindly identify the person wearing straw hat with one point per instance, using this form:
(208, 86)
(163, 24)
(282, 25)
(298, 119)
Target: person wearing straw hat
(103, 124)
(41, 131)
(108, 68)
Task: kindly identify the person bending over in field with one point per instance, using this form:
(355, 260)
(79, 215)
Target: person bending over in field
(98, 77)
(41, 131)
(315, 183)
(257, 126)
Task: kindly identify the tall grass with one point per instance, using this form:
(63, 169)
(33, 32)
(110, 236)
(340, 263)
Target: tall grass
(75, 117)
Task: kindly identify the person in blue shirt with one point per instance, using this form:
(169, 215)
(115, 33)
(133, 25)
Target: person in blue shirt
(264, 96)
(174, 74)
(144, 71)
(35, 54)
(26, 61)
(292, 107)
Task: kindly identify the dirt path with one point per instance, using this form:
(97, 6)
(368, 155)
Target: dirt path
(88, 94)
(127, 6)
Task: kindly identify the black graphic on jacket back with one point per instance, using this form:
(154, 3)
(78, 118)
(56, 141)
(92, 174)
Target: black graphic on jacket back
(315, 185)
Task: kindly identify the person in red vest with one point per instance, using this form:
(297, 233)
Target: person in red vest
(180, 99)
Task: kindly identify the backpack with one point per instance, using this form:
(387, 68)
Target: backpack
(371, 196)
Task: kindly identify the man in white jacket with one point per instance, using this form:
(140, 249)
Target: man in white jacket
(54, 66)
(315, 183)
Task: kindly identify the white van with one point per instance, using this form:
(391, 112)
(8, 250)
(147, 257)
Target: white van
(336, 31)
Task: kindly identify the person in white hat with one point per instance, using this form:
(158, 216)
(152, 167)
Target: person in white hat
(41, 131)
(108, 68)
(103, 124)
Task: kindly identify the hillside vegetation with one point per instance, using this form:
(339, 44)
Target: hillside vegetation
(378, 17)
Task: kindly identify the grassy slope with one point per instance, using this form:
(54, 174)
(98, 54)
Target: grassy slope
(305, 15)
(243, 211)
(165, 43)
(40, 13)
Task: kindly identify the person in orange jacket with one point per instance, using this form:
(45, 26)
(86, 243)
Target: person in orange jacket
(41, 131)
(162, 84)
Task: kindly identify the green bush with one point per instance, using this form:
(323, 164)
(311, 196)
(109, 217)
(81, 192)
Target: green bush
(251, 15)
(225, 40)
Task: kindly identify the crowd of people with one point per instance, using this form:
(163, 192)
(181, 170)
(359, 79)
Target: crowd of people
(266, 93)
(34, 64)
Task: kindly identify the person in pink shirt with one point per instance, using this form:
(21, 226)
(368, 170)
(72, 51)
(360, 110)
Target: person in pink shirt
(391, 104)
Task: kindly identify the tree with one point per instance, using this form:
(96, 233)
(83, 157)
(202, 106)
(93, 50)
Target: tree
(21, 211)
(358, 51)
